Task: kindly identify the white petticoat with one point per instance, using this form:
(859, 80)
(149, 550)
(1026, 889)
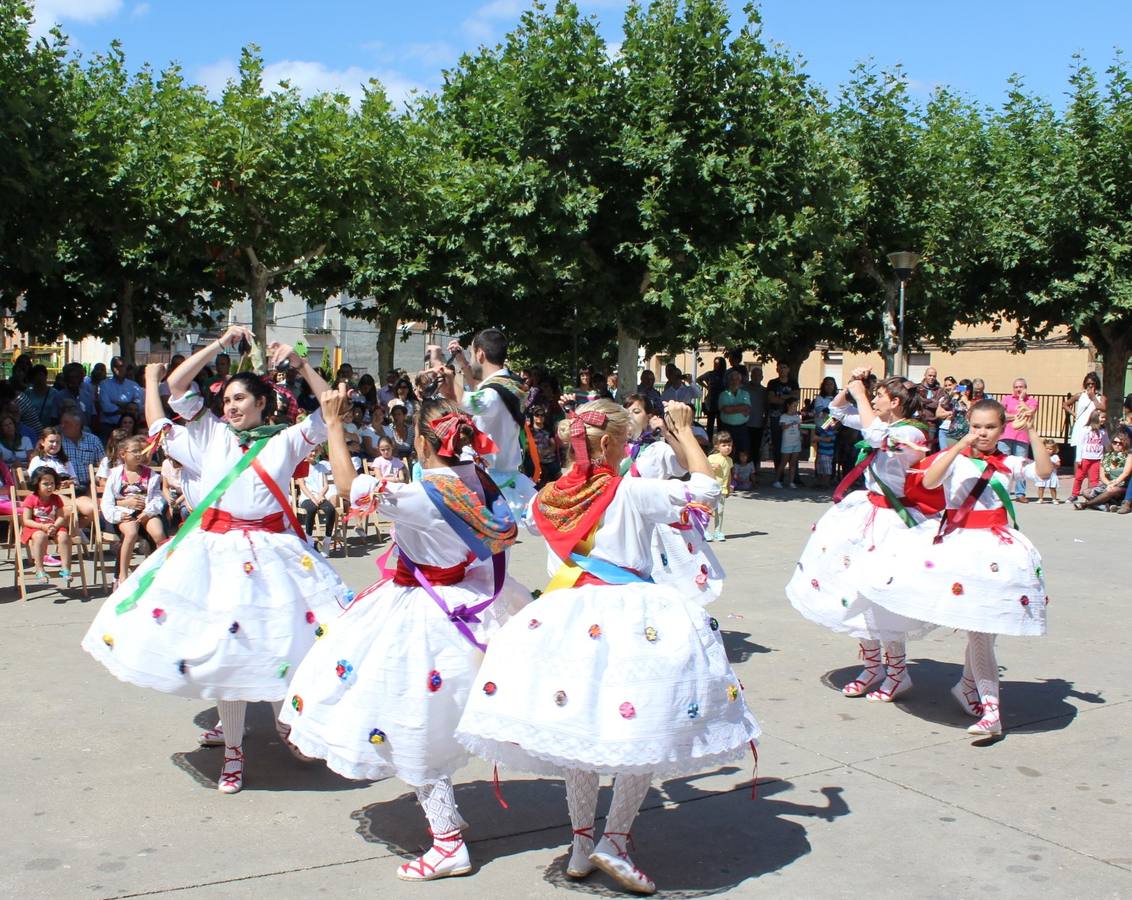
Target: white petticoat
(227, 617)
(629, 678)
(974, 580)
(827, 581)
(382, 692)
(683, 559)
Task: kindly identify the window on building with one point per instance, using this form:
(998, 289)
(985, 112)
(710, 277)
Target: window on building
(917, 365)
(833, 366)
(271, 312)
(316, 318)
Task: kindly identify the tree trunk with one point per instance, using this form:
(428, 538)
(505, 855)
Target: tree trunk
(628, 362)
(127, 332)
(386, 338)
(794, 358)
(259, 307)
(1114, 366)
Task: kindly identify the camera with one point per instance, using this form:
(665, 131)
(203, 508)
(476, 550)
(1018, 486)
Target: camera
(962, 389)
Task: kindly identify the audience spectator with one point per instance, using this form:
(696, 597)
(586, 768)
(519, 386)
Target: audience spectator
(713, 383)
(37, 400)
(388, 390)
(116, 394)
(756, 420)
(1116, 466)
(930, 391)
(647, 388)
(734, 410)
(83, 449)
(1081, 407)
(1094, 443)
(1015, 442)
(399, 430)
(15, 448)
(676, 389)
(76, 392)
(319, 497)
(780, 391)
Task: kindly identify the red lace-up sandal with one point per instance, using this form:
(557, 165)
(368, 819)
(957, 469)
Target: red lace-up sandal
(990, 725)
(232, 775)
(611, 855)
(580, 865)
(448, 856)
(967, 697)
(869, 677)
(214, 737)
(897, 681)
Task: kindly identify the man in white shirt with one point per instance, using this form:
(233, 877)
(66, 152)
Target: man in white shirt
(676, 388)
(116, 393)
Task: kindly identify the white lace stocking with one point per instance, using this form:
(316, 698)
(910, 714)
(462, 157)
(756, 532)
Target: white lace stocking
(984, 668)
(232, 713)
(628, 795)
(438, 801)
(581, 798)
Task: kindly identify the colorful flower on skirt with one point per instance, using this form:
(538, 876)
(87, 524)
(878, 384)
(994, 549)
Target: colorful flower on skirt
(713, 623)
(489, 688)
(349, 596)
(814, 527)
(559, 698)
(343, 669)
(108, 640)
(284, 668)
(595, 631)
(928, 564)
(693, 710)
(535, 594)
(845, 602)
(814, 584)
(651, 634)
(234, 627)
(732, 692)
(701, 580)
(377, 736)
(1038, 571)
(994, 567)
(957, 589)
(1025, 601)
(691, 549)
(248, 568)
(310, 617)
(297, 704)
(845, 561)
(434, 681)
(158, 614)
(307, 562)
(627, 710)
(533, 624)
(664, 559)
(320, 632)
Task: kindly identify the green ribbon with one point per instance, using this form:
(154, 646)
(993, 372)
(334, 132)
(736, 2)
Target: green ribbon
(893, 500)
(1000, 490)
(192, 522)
(259, 433)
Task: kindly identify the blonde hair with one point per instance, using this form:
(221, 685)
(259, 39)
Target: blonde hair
(616, 426)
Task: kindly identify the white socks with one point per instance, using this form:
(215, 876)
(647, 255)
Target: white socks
(438, 801)
(232, 713)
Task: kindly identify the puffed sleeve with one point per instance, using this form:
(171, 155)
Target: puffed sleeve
(367, 493)
(154, 502)
(201, 425)
(663, 501)
(302, 437)
(109, 503)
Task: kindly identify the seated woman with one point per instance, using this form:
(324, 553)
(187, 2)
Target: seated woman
(1116, 467)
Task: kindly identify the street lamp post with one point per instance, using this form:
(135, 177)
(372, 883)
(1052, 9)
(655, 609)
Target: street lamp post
(904, 263)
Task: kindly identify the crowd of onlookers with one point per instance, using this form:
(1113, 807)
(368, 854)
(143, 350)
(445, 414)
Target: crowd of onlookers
(55, 433)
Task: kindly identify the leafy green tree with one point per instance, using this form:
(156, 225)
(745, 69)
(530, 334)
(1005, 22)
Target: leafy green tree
(273, 189)
(1063, 242)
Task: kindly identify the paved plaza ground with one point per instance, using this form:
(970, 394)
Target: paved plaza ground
(106, 794)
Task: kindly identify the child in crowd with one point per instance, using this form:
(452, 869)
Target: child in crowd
(132, 501)
(826, 438)
(387, 465)
(171, 490)
(43, 520)
(319, 496)
(791, 424)
(721, 465)
(1044, 484)
(1093, 447)
(49, 453)
(117, 436)
(743, 475)
(546, 446)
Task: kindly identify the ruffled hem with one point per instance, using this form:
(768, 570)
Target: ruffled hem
(533, 752)
(376, 769)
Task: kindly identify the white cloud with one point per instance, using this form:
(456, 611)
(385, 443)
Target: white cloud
(57, 12)
(313, 77)
(140, 10)
(481, 25)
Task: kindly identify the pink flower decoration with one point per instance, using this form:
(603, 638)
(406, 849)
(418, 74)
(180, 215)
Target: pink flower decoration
(627, 710)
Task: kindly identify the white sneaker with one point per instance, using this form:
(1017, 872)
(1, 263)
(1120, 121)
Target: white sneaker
(776, 484)
(792, 486)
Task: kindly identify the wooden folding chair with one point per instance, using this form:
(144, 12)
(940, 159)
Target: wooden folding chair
(101, 540)
(78, 552)
(17, 496)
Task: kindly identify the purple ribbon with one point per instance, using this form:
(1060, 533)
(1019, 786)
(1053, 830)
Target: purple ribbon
(696, 514)
(463, 614)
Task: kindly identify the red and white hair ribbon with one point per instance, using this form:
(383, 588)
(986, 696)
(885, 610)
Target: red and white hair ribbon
(578, 423)
(447, 428)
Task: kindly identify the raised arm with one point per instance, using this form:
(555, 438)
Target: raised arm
(679, 416)
(154, 411)
(335, 404)
(860, 396)
(307, 372)
(181, 378)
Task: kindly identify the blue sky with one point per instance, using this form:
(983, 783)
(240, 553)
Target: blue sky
(338, 44)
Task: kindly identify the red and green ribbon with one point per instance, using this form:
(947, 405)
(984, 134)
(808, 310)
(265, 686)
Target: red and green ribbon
(192, 522)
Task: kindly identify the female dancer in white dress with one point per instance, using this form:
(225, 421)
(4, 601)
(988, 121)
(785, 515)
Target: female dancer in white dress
(680, 555)
(382, 692)
(826, 585)
(974, 572)
(227, 609)
(610, 673)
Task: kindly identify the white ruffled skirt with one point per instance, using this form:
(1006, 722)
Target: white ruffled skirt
(382, 692)
(227, 616)
(827, 584)
(975, 579)
(627, 678)
(683, 559)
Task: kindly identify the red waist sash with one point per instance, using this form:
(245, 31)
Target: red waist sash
(220, 522)
(880, 501)
(985, 518)
(435, 574)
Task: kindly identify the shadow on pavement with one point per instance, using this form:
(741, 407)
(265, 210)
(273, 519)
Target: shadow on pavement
(270, 765)
(739, 649)
(1028, 707)
(706, 843)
